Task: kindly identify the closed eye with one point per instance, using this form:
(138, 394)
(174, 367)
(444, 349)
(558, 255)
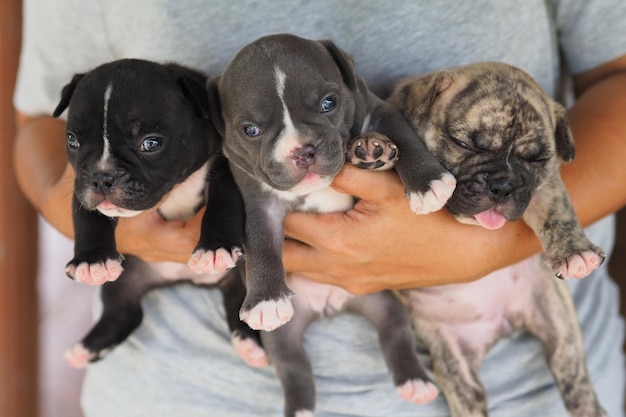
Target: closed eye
(461, 144)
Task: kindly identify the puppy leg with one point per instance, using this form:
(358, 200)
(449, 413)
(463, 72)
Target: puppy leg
(456, 363)
(247, 342)
(427, 183)
(287, 355)
(96, 259)
(397, 342)
(567, 250)
(553, 320)
(121, 313)
(373, 151)
(267, 305)
(222, 232)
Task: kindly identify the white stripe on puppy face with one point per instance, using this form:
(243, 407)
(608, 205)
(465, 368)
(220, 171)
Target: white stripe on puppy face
(288, 140)
(106, 151)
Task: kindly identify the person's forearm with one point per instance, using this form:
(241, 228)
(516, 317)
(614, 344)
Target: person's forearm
(597, 177)
(42, 170)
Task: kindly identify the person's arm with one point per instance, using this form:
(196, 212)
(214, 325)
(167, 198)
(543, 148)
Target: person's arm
(381, 244)
(47, 180)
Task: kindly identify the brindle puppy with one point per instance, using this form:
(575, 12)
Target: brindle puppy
(503, 139)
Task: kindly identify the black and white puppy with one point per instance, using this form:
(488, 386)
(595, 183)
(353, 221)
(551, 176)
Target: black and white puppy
(289, 108)
(139, 138)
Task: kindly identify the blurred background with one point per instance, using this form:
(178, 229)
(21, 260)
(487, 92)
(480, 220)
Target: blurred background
(42, 312)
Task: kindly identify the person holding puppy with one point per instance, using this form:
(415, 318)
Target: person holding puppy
(179, 362)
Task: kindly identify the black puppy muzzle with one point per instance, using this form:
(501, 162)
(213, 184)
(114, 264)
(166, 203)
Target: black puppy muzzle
(102, 182)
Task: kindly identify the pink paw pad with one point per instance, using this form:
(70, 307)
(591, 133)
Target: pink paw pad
(253, 354)
(580, 265)
(435, 198)
(268, 315)
(209, 262)
(96, 274)
(78, 357)
(418, 391)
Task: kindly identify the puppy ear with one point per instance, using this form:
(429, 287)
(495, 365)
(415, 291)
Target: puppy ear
(215, 108)
(66, 95)
(345, 64)
(416, 96)
(563, 135)
(193, 89)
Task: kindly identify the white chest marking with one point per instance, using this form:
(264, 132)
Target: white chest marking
(106, 151)
(289, 138)
(186, 197)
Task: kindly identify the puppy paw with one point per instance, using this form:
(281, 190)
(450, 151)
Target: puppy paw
(580, 264)
(96, 273)
(250, 351)
(78, 356)
(211, 262)
(268, 315)
(435, 198)
(418, 391)
(373, 151)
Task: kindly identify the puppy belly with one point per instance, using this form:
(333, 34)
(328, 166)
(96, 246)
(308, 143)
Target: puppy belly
(181, 272)
(480, 311)
(322, 299)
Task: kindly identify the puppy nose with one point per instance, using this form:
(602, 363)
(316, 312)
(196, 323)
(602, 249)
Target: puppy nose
(500, 190)
(304, 156)
(103, 182)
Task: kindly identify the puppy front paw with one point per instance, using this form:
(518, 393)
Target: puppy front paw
(212, 262)
(418, 391)
(268, 315)
(78, 356)
(373, 151)
(436, 197)
(580, 264)
(94, 273)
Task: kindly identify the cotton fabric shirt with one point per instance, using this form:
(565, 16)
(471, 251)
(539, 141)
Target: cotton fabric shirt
(180, 361)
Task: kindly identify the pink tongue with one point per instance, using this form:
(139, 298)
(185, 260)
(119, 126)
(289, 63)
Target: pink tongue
(107, 205)
(490, 219)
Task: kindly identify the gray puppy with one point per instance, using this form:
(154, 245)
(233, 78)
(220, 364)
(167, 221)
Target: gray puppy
(503, 138)
(290, 107)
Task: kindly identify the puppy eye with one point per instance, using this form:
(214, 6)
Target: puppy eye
(541, 160)
(251, 130)
(328, 103)
(72, 142)
(462, 144)
(150, 144)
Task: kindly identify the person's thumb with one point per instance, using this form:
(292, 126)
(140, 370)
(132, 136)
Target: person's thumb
(367, 185)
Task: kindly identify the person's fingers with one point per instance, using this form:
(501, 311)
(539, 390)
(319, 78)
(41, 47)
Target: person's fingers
(298, 257)
(368, 185)
(152, 238)
(312, 228)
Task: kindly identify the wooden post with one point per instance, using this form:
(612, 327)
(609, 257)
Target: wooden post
(18, 246)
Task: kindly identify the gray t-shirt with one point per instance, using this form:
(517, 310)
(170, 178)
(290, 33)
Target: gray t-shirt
(180, 362)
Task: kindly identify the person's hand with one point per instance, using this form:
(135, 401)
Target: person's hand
(381, 244)
(151, 238)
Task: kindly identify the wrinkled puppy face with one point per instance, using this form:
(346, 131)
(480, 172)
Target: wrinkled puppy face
(287, 112)
(133, 132)
(499, 134)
